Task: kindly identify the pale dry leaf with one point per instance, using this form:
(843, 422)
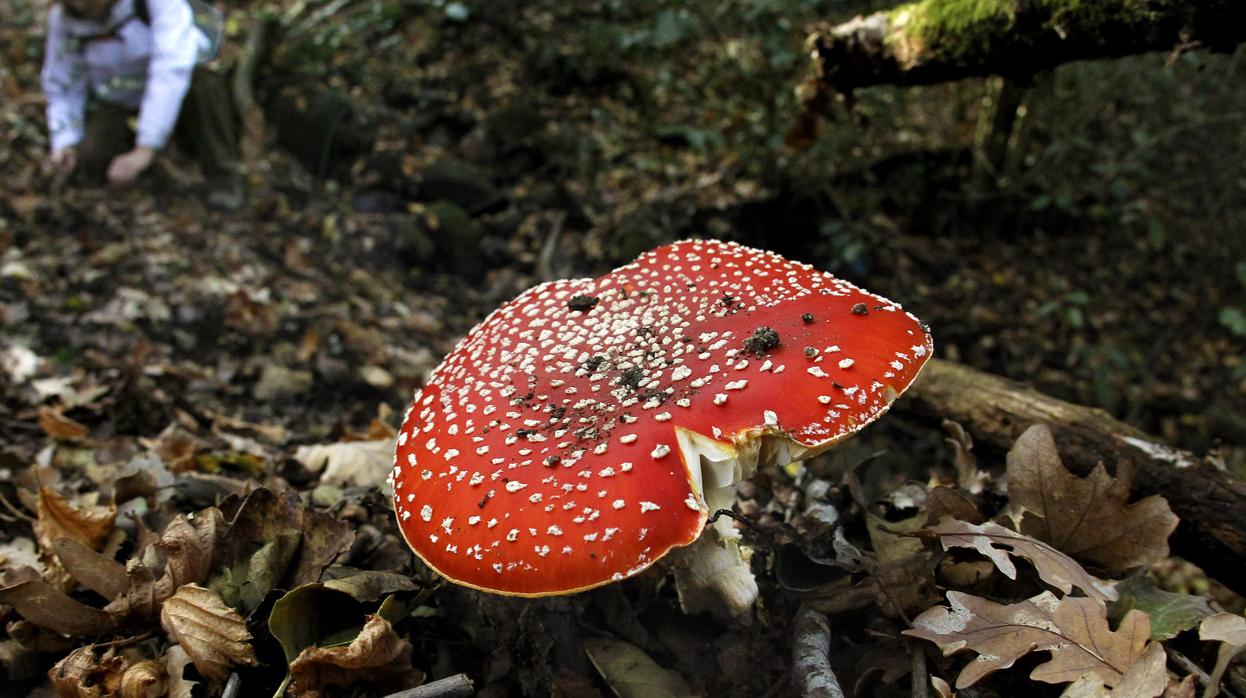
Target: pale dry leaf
(175, 661)
(1089, 518)
(968, 476)
(376, 655)
(1224, 627)
(211, 633)
(1074, 630)
(1230, 630)
(16, 554)
(350, 463)
(999, 544)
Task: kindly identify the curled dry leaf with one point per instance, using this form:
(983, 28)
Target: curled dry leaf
(82, 674)
(211, 633)
(999, 544)
(1089, 518)
(376, 655)
(1074, 630)
(57, 517)
(145, 679)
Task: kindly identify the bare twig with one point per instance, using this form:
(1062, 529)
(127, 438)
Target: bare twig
(811, 656)
(457, 686)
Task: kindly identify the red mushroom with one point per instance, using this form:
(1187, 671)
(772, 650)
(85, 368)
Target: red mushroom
(586, 428)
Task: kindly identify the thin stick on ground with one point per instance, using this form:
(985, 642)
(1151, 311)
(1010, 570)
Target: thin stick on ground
(811, 656)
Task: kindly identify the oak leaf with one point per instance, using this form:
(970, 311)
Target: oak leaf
(213, 634)
(1000, 544)
(1147, 678)
(1074, 630)
(1089, 518)
(376, 655)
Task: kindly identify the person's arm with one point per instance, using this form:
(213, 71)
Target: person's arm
(175, 48)
(174, 51)
(64, 80)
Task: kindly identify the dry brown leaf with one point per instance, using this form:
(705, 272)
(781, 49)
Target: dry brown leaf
(1074, 630)
(1089, 518)
(1147, 678)
(57, 518)
(176, 447)
(95, 571)
(58, 426)
(84, 675)
(376, 655)
(998, 544)
(47, 606)
(211, 633)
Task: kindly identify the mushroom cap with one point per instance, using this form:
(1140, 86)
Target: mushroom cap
(543, 457)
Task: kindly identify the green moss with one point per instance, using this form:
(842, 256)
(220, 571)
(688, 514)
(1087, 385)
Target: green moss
(954, 29)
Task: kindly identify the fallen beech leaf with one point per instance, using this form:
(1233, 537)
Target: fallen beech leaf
(1089, 518)
(212, 634)
(176, 447)
(45, 605)
(57, 518)
(631, 673)
(350, 463)
(1074, 630)
(58, 426)
(1170, 614)
(1229, 629)
(376, 655)
(1147, 678)
(998, 544)
(16, 554)
(82, 674)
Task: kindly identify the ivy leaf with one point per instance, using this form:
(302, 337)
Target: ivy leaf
(1074, 630)
(1089, 518)
(1170, 613)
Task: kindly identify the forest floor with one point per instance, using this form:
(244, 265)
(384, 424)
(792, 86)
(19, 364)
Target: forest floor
(161, 359)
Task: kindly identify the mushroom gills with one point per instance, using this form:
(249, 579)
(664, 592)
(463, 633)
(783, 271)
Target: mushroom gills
(711, 574)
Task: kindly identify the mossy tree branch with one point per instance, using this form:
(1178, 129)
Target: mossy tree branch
(942, 40)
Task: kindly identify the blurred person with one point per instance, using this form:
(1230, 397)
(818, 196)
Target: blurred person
(108, 61)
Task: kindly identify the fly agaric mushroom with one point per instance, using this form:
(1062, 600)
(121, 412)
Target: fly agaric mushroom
(585, 429)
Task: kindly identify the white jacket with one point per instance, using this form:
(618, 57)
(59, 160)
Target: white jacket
(121, 60)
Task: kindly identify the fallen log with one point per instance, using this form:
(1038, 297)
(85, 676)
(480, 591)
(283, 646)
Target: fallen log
(941, 40)
(1209, 501)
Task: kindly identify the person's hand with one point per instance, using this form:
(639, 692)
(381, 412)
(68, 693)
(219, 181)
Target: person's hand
(125, 168)
(64, 160)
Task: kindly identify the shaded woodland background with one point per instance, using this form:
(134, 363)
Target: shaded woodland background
(413, 164)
